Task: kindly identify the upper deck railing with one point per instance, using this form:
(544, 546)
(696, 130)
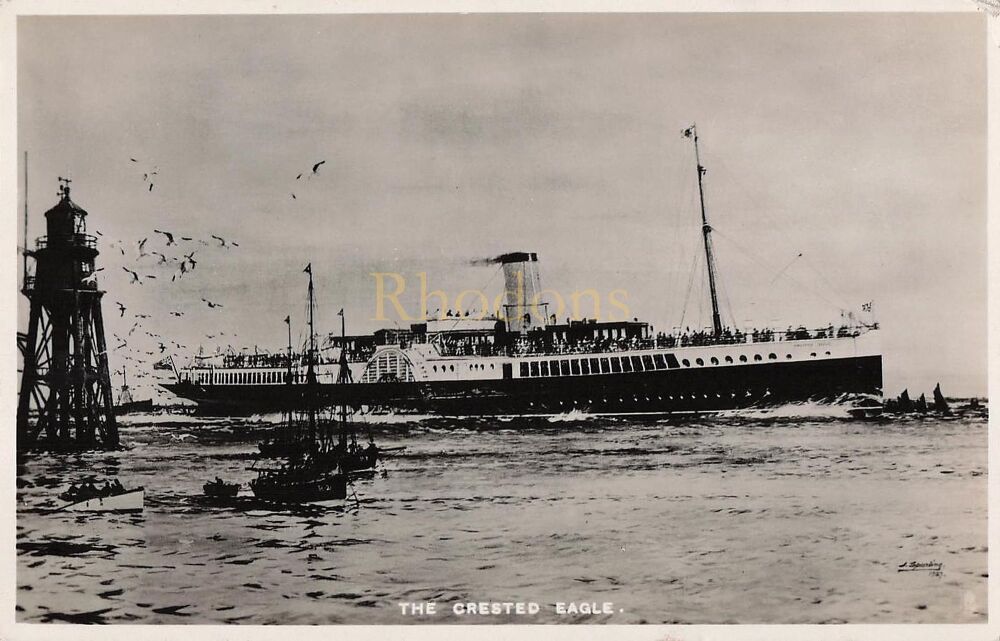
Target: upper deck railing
(525, 347)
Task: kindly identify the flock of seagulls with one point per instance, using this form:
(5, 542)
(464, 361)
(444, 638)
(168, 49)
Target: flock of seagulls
(159, 254)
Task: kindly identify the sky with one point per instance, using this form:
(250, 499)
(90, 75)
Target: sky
(846, 158)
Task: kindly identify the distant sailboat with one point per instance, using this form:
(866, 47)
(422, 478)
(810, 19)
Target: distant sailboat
(940, 404)
(126, 404)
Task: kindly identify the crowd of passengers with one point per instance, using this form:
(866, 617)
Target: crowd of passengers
(687, 338)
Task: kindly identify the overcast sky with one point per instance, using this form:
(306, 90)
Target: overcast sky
(857, 140)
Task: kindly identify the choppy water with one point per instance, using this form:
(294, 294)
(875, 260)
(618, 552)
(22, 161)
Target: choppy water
(774, 518)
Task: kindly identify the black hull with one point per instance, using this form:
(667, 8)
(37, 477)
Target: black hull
(688, 390)
(285, 490)
(134, 406)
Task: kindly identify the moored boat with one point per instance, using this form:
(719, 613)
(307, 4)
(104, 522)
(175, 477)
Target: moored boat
(219, 489)
(321, 455)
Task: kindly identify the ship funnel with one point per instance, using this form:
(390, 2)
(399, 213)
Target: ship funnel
(523, 308)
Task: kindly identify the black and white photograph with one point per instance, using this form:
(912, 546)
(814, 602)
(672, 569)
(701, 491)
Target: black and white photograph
(498, 318)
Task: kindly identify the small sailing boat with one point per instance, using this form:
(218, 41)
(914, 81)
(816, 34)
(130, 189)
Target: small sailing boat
(126, 404)
(321, 456)
(940, 404)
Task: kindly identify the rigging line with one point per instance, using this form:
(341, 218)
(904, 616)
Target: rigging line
(833, 289)
(754, 258)
(488, 283)
(785, 268)
(687, 296)
(725, 297)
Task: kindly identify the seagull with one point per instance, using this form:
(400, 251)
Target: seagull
(163, 258)
(163, 348)
(122, 346)
(316, 166)
(178, 314)
(222, 241)
(190, 257)
(170, 237)
(121, 310)
(134, 325)
(299, 176)
(150, 276)
(90, 279)
(186, 238)
(142, 248)
(150, 186)
(142, 315)
(98, 232)
(211, 304)
(135, 276)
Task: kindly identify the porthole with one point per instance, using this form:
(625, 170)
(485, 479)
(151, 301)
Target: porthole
(789, 356)
(828, 353)
(729, 359)
(758, 357)
(743, 358)
(715, 361)
(772, 356)
(699, 361)
(451, 367)
(686, 363)
(813, 354)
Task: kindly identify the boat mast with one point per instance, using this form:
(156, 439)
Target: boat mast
(288, 321)
(343, 376)
(706, 230)
(310, 369)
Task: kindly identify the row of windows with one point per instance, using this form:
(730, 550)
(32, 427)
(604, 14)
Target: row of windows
(472, 366)
(619, 364)
(241, 378)
(599, 365)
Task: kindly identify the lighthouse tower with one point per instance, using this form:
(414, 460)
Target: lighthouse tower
(65, 399)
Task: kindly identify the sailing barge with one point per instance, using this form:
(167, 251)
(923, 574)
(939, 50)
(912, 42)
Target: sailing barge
(321, 456)
(523, 362)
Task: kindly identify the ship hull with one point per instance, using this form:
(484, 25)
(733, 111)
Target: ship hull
(651, 392)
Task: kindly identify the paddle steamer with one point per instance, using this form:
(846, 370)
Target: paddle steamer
(523, 362)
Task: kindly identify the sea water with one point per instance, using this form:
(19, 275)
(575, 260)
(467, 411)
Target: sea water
(794, 515)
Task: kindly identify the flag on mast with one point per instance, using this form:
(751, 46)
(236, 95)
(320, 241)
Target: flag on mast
(308, 269)
(688, 132)
(341, 312)
(288, 320)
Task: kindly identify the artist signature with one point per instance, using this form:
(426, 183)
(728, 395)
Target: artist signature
(933, 567)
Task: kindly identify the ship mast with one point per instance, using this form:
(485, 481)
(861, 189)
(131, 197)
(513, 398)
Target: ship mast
(706, 229)
(343, 376)
(310, 368)
(288, 321)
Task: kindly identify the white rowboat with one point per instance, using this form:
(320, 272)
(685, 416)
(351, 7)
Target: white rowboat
(130, 501)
